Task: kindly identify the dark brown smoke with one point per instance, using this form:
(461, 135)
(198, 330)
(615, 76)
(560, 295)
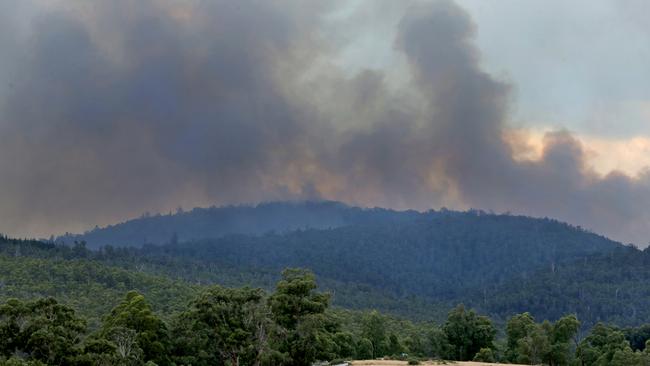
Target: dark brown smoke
(109, 109)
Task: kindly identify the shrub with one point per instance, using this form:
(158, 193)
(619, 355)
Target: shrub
(484, 355)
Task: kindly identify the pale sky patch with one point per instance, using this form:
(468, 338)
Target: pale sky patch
(630, 156)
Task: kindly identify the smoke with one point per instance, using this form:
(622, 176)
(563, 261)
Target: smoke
(109, 109)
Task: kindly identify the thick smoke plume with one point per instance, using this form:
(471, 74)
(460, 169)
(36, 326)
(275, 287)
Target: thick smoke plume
(108, 109)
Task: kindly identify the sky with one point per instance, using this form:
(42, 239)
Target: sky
(112, 109)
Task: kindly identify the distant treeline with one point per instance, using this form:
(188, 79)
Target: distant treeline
(215, 222)
(293, 326)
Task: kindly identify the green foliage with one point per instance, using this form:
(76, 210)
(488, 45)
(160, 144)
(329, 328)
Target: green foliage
(374, 329)
(518, 327)
(601, 287)
(43, 330)
(467, 333)
(602, 345)
(438, 343)
(299, 327)
(304, 333)
(295, 298)
(102, 352)
(394, 345)
(134, 328)
(364, 349)
(638, 336)
(222, 326)
(20, 362)
(532, 343)
(406, 263)
(606, 345)
(229, 326)
(293, 327)
(485, 355)
(90, 287)
(345, 344)
(534, 347)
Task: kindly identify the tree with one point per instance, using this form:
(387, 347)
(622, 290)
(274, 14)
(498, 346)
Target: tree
(517, 327)
(484, 355)
(534, 346)
(374, 329)
(394, 345)
(601, 345)
(562, 337)
(551, 343)
(438, 343)
(364, 349)
(345, 342)
(304, 333)
(468, 332)
(134, 328)
(415, 345)
(233, 325)
(127, 347)
(99, 352)
(42, 330)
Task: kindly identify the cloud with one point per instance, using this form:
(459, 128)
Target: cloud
(121, 107)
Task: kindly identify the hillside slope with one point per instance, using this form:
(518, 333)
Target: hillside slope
(439, 258)
(215, 222)
(31, 269)
(416, 264)
(608, 287)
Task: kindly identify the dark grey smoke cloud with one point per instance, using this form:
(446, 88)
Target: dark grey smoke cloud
(469, 110)
(131, 107)
(119, 107)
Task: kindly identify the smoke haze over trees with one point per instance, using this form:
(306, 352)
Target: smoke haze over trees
(131, 106)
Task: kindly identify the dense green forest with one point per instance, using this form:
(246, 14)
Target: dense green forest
(88, 286)
(409, 264)
(415, 265)
(95, 279)
(439, 258)
(611, 287)
(411, 267)
(293, 326)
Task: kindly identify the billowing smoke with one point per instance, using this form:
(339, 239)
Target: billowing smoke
(108, 109)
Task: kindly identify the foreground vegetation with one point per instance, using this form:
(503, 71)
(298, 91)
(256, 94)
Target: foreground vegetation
(292, 326)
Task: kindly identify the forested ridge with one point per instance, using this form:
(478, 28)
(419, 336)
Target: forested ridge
(214, 222)
(439, 257)
(411, 268)
(406, 263)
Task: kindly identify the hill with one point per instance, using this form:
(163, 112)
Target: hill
(215, 222)
(437, 257)
(417, 266)
(410, 264)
